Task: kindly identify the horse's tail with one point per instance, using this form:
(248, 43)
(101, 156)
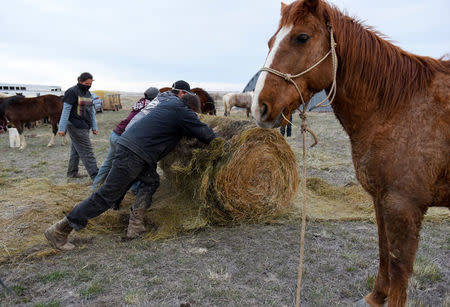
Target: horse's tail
(3, 119)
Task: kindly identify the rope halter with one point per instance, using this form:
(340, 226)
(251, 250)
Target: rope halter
(290, 78)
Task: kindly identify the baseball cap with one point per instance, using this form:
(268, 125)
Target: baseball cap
(151, 93)
(181, 85)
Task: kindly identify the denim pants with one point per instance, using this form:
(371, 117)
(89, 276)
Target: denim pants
(107, 164)
(127, 167)
(81, 148)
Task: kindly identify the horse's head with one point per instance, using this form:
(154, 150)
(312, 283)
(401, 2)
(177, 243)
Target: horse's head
(301, 41)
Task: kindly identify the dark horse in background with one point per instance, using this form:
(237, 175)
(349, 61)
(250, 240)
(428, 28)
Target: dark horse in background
(395, 107)
(207, 103)
(19, 110)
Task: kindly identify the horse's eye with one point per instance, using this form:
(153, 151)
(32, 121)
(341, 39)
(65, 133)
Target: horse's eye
(302, 38)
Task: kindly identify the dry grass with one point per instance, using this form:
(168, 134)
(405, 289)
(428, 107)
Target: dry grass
(29, 206)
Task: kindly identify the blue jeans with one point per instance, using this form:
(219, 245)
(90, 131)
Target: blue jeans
(107, 164)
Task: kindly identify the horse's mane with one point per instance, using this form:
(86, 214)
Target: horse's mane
(365, 56)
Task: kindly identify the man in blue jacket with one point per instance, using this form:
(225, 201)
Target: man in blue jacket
(137, 153)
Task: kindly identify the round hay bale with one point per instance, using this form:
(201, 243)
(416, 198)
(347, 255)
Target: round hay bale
(248, 174)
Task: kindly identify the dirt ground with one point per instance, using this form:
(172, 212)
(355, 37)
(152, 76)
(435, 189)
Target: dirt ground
(243, 265)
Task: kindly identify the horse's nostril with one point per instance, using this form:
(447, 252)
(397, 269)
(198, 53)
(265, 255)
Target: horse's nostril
(264, 111)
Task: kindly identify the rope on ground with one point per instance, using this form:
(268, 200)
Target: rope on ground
(7, 289)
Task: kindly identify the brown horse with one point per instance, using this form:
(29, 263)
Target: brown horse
(207, 103)
(241, 100)
(19, 110)
(165, 89)
(395, 107)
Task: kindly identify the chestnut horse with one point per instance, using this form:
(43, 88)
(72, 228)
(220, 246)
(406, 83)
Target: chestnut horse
(207, 103)
(395, 107)
(19, 110)
(241, 100)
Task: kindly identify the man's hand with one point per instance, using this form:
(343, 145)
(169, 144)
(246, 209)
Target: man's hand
(216, 128)
(95, 131)
(61, 133)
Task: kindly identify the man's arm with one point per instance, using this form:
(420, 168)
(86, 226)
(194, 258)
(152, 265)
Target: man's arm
(69, 100)
(64, 119)
(190, 123)
(94, 120)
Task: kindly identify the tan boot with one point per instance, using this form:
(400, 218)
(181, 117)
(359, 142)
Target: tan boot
(57, 235)
(136, 225)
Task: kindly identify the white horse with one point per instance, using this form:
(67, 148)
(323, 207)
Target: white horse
(242, 100)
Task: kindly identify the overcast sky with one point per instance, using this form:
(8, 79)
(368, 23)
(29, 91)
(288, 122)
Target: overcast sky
(217, 45)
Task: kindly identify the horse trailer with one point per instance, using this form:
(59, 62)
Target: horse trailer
(29, 90)
(111, 99)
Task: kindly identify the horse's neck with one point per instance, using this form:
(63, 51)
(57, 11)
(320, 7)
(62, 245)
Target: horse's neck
(375, 78)
(352, 107)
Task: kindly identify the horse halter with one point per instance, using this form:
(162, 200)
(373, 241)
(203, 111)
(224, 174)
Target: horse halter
(290, 78)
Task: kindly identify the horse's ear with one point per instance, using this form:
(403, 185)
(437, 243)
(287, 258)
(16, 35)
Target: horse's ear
(283, 5)
(311, 5)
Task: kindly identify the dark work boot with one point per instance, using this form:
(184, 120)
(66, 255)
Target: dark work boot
(57, 235)
(136, 225)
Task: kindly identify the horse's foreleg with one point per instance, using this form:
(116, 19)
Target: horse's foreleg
(52, 141)
(248, 112)
(403, 220)
(23, 144)
(54, 130)
(225, 108)
(381, 289)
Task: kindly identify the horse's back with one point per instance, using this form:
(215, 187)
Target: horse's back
(34, 108)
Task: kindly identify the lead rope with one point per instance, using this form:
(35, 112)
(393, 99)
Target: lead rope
(304, 128)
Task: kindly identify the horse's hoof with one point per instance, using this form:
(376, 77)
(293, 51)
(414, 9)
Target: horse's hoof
(362, 303)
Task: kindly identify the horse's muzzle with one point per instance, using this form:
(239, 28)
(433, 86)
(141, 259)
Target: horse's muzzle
(261, 118)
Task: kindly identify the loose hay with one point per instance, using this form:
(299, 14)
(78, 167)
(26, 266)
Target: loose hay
(252, 176)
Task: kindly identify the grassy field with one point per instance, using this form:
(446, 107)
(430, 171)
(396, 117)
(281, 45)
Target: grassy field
(235, 265)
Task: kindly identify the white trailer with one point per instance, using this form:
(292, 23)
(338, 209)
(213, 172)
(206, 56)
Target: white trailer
(29, 90)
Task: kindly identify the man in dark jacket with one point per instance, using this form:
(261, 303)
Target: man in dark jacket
(137, 153)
